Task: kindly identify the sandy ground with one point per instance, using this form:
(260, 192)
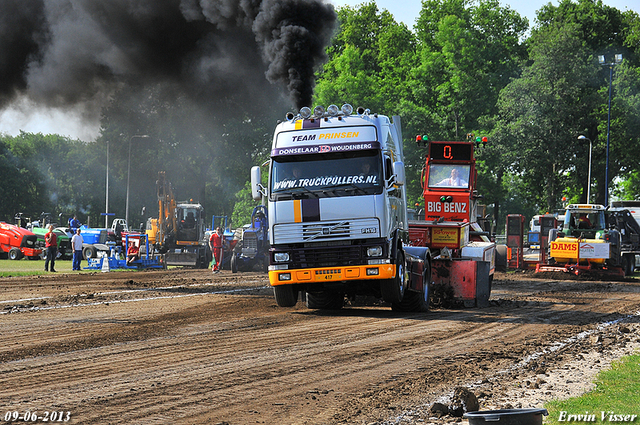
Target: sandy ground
(189, 347)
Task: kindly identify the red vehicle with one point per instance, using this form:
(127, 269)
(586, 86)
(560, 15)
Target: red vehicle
(463, 259)
(16, 242)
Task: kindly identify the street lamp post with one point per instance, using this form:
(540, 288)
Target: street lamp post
(589, 176)
(617, 60)
(106, 209)
(126, 215)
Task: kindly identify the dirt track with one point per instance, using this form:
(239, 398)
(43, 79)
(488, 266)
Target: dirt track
(186, 347)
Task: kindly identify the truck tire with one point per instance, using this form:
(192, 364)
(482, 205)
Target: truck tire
(234, 264)
(393, 289)
(501, 257)
(286, 295)
(325, 300)
(89, 252)
(416, 301)
(15, 254)
(629, 264)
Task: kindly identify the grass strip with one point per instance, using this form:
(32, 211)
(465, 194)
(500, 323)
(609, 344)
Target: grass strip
(616, 398)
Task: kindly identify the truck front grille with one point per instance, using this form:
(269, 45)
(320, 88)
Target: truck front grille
(327, 256)
(326, 231)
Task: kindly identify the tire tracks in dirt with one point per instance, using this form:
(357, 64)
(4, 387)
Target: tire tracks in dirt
(235, 357)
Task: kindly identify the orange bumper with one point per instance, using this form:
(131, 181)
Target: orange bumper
(332, 274)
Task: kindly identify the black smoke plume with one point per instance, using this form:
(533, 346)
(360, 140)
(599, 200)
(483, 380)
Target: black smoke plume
(63, 53)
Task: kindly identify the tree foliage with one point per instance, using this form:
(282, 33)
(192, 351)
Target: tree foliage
(542, 113)
(467, 66)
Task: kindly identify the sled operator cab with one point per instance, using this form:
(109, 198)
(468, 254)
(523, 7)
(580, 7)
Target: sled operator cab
(450, 181)
(463, 255)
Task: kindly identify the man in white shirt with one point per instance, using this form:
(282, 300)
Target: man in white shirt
(76, 244)
(454, 180)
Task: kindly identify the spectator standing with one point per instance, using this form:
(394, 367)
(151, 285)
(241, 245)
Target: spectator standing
(76, 244)
(51, 244)
(215, 243)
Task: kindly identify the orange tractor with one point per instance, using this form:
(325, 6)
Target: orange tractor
(17, 242)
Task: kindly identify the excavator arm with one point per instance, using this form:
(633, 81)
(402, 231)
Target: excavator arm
(167, 224)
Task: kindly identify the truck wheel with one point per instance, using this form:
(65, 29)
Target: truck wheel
(15, 254)
(501, 257)
(629, 264)
(89, 252)
(417, 301)
(325, 300)
(234, 264)
(286, 295)
(393, 289)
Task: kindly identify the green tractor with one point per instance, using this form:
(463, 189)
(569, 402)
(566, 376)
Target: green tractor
(41, 228)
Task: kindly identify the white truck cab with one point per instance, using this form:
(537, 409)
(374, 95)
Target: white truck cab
(337, 207)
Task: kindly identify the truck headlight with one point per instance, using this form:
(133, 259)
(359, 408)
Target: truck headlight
(379, 261)
(374, 251)
(281, 257)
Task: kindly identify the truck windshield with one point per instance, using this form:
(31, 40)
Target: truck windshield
(441, 175)
(326, 175)
(585, 220)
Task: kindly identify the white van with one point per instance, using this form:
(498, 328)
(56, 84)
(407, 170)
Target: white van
(534, 224)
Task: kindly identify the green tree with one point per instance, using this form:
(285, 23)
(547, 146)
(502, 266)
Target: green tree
(469, 51)
(604, 30)
(56, 174)
(370, 59)
(21, 187)
(625, 131)
(542, 113)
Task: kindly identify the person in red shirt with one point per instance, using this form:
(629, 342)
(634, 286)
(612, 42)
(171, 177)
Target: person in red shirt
(51, 243)
(133, 253)
(584, 222)
(215, 243)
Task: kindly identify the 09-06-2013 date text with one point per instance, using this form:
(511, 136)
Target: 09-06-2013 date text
(27, 416)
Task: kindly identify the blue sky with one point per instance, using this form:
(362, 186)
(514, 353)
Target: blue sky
(407, 11)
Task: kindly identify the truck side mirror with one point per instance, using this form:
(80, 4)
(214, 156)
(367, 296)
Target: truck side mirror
(398, 171)
(256, 184)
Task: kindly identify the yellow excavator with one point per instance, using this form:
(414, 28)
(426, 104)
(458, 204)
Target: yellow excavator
(178, 232)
